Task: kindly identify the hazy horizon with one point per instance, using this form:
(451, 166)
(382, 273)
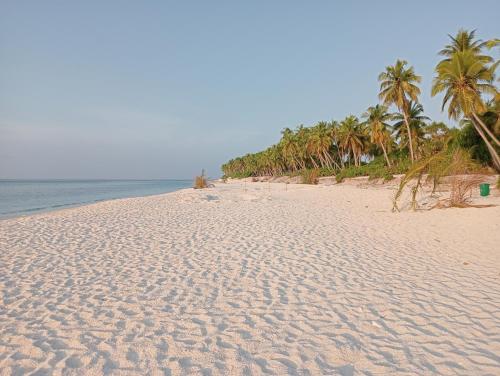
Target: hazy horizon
(160, 90)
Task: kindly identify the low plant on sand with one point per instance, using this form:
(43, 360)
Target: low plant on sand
(310, 176)
(454, 162)
(200, 182)
(461, 192)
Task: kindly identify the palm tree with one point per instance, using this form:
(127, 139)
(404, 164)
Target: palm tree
(289, 147)
(465, 41)
(376, 120)
(351, 134)
(463, 78)
(321, 138)
(398, 87)
(301, 142)
(416, 119)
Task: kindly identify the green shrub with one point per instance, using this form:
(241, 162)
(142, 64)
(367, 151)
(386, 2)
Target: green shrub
(376, 169)
(324, 171)
(240, 175)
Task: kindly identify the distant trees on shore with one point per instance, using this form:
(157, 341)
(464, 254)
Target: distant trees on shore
(396, 140)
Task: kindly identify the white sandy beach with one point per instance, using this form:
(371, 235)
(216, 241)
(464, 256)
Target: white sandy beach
(248, 280)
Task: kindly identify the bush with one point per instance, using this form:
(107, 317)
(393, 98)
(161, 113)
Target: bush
(240, 175)
(200, 182)
(469, 139)
(310, 176)
(325, 171)
(376, 169)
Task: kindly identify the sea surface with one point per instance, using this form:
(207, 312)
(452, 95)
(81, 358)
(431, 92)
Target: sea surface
(23, 197)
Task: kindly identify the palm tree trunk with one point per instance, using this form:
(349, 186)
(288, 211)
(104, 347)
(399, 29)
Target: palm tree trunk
(385, 155)
(478, 119)
(491, 149)
(331, 160)
(341, 157)
(313, 162)
(410, 141)
(322, 162)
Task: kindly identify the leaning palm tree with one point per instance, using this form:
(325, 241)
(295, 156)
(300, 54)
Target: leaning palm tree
(463, 79)
(376, 120)
(398, 87)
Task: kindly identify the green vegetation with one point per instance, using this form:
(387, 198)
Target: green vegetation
(384, 143)
(375, 170)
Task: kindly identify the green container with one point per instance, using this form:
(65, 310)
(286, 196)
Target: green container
(484, 189)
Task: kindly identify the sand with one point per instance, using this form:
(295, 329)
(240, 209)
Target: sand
(248, 280)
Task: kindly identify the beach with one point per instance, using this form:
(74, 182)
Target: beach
(250, 279)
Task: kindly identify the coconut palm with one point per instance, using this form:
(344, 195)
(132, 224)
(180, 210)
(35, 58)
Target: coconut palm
(416, 120)
(463, 79)
(322, 136)
(378, 128)
(289, 147)
(398, 87)
(465, 41)
(351, 135)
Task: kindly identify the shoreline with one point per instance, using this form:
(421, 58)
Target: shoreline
(37, 211)
(358, 182)
(83, 205)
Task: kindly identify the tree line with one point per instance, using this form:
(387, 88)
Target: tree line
(396, 130)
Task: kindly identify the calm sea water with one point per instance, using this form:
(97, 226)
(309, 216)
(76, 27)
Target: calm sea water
(22, 197)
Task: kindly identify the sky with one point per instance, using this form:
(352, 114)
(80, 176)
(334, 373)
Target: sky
(161, 89)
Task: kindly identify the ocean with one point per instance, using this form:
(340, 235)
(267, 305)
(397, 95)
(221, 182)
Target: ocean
(23, 197)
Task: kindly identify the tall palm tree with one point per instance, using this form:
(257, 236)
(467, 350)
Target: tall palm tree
(416, 120)
(334, 131)
(351, 134)
(301, 142)
(289, 147)
(465, 41)
(376, 120)
(323, 136)
(463, 79)
(398, 85)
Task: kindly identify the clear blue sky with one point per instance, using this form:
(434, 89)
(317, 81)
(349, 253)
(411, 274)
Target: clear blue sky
(161, 89)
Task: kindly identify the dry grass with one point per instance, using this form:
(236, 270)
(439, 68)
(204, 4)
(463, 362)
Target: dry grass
(200, 182)
(310, 176)
(461, 192)
(455, 163)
